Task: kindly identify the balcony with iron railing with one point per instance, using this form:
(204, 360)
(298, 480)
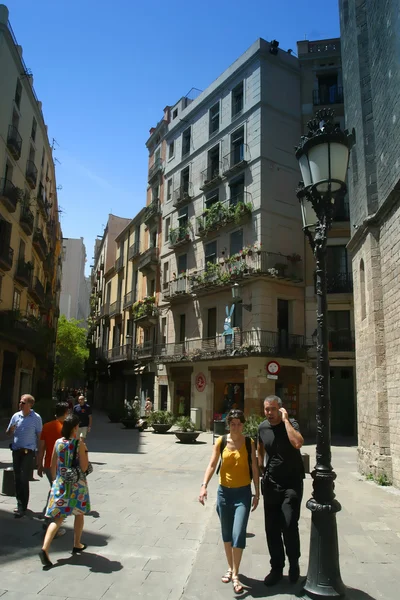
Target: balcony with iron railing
(177, 289)
(119, 264)
(178, 236)
(26, 331)
(155, 168)
(134, 250)
(218, 215)
(31, 174)
(241, 343)
(182, 195)
(120, 353)
(105, 309)
(322, 97)
(48, 264)
(37, 291)
(115, 308)
(26, 219)
(145, 312)
(339, 283)
(236, 160)
(10, 195)
(245, 265)
(40, 244)
(129, 299)
(144, 350)
(23, 273)
(211, 176)
(6, 257)
(14, 142)
(148, 259)
(341, 341)
(152, 211)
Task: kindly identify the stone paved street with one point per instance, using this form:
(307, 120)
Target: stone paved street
(149, 538)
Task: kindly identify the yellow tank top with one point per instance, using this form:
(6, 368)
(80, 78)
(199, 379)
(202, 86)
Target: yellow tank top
(234, 471)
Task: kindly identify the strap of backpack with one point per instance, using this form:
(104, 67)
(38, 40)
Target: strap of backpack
(221, 448)
(249, 456)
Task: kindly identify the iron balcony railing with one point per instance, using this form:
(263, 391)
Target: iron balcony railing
(211, 176)
(23, 273)
(178, 287)
(241, 343)
(31, 174)
(115, 308)
(14, 142)
(144, 350)
(9, 194)
(6, 257)
(148, 259)
(40, 243)
(129, 299)
(134, 250)
(236, 159)
(25, 331)
(26, 219)
(155, 168)
(341, 341)
(182, 195)
(179, 235)
(152, 211)
(221, 213)
(340, 283)
(334, 95)
(120, 353)
(119, 263)
(105, 309)
(38, 290)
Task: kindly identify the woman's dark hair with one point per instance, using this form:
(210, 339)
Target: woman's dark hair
(235, 414)
(69, 424)
(61, 409)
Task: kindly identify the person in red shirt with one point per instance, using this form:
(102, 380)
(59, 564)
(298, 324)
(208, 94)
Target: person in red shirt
(51, 432)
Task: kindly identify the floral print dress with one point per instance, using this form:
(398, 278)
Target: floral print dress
(67, 498)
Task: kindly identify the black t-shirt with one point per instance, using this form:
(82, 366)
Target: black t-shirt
(284, 463)
(83, 412)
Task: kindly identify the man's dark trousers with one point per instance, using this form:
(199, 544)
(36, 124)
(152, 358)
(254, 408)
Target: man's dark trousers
(22, 465)
(282, 512)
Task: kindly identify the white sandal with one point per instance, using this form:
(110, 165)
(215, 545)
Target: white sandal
(227, 577)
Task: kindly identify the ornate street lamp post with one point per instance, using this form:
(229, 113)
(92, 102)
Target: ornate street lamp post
(323, 157)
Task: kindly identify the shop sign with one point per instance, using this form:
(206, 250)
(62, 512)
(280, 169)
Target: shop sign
(200, 382)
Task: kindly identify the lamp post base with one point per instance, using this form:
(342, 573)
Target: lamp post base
(323, 577)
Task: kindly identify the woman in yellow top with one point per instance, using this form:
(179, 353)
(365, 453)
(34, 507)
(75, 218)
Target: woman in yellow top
(234, 498)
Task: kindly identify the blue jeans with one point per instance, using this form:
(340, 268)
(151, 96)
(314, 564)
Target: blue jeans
(233, 508)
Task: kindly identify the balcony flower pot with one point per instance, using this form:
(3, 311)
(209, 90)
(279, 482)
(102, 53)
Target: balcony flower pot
(250, 252)
(186, 432)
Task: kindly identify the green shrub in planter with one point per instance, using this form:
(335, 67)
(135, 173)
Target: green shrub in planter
(185, 424)
(250, 428)
(161, 417)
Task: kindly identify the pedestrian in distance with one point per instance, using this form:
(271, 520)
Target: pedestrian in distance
(25, 427)
(84, 412)
(67, 497)
(238, 465)
(51, 432)
(279, 441)
(148, 406)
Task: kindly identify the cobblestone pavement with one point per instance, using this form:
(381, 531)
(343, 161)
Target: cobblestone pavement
(149, 538)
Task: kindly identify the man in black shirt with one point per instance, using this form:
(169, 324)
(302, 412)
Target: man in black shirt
(84, 413)
(280, 439)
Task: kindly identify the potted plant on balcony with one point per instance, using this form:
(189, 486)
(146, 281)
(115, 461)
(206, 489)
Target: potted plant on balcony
(257, 247)
(186, 432)
(130, 415)
(161, 420)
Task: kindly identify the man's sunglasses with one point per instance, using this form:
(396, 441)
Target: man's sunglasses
(22, 402)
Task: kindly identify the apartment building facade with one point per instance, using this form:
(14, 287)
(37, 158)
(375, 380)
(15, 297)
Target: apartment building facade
(231, 225)
(30, 234)
(75, 292)
(370, 42)
(322, 87)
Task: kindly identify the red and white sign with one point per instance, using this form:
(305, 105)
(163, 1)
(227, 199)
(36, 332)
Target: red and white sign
(273, 367)
(200, 382)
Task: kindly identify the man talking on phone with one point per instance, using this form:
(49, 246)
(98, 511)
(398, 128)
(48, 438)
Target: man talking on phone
(280, 440)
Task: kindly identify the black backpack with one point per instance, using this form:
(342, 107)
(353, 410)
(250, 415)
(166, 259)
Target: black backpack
(248, 448)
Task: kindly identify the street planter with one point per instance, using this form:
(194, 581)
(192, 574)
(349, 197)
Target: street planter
(114, 417)
(129, 423)
(161, 427)
(187, 437)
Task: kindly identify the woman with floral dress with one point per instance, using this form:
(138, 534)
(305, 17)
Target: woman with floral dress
(67, 498)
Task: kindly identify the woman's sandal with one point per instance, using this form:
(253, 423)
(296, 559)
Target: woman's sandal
(227, 577)
(237, 586)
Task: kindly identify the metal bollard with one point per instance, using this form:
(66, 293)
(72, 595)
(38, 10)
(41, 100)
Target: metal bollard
(8, 488)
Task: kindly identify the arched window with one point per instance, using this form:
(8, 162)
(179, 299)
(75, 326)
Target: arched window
(362, 290)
